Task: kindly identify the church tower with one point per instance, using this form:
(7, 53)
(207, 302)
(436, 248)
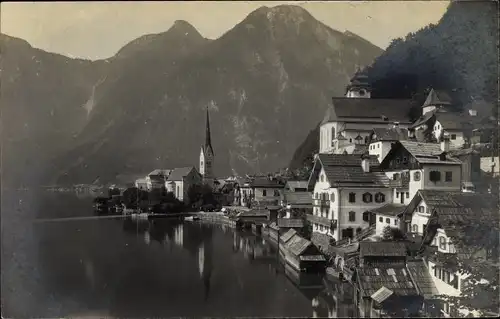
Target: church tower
(207, 156)
(359, 86)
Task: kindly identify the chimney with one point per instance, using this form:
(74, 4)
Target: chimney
(445, 144)
(365, 163)
(472, 112)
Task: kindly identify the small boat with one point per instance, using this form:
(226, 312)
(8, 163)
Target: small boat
(191, 218)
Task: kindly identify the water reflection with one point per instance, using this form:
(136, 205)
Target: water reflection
(327, 299)
(141, 268)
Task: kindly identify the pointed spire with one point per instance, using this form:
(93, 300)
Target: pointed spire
(208, 140)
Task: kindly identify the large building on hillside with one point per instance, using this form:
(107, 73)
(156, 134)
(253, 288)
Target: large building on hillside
(207, 156)
(349, 121)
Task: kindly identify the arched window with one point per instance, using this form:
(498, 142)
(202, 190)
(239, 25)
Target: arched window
(352, 216)
(366, 216)
(414, 228)
(367, 197)
(379, 198)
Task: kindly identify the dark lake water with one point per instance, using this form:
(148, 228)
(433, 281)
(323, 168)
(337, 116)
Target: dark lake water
(128, 268)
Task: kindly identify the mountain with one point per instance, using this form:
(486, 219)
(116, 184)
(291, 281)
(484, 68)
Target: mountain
(42, 97)
(459, 55)
(266, 81)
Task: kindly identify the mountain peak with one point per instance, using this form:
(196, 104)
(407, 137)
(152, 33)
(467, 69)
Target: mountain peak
(184, 27)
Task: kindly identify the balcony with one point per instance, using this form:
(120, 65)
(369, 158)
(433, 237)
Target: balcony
(321, 203)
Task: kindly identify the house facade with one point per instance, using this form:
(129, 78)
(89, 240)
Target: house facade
(180, 180)
(346, 188)
(266, 191)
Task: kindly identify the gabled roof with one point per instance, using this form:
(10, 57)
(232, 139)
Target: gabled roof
(423, 119)
(390, 134)
(160, 172)
(372, 110)
(382, 249)
(424, 153)
(390, 210)
(298, 245)
(288, 235)
(290, 223)
(296, 184)
(178, 174)
(345, 170)
(453, 121)
(394, 277)
(298, 198)
(437, 98)
(422, 279)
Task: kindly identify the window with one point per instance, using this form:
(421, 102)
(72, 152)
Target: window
(367, 198)
(442, 243)
(387, 220)
(352, 216)
(178, 191)
(434, 176)
(396, 222)
(416, 176)
(276, 193)
(398, 160)
(405, 160)
(414, 228)
(350, 140)
(381, 219)
(333, 133)
(407, 195)
(332, 197)
(359, 230)
(395, 176)
(448, 177)
(321, 178)
(352, 197)
(421, 209)
(397, 194)
(201, 163)
(366, 216)
(453, 136)
(316, 196)
(379, 198)
(264, 192)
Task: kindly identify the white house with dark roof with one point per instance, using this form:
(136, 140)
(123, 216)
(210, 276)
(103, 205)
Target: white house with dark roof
(181, 179)
(349, 120)
(381, 140)
(413, 166)
(345, 189)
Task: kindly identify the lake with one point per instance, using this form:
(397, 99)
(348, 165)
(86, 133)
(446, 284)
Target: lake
(128, 268)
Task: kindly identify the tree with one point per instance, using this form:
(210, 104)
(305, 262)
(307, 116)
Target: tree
(132, 196)
(387, 233)
(201, 194)
(477, 244)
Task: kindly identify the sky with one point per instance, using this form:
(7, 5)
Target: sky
(97, 30)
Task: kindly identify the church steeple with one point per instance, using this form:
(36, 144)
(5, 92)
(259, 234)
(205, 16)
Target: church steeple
(208, 139)
(207, 155)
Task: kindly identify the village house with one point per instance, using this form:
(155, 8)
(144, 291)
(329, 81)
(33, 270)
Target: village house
(444, 236)
(349, 121)
(388, 215)
(266, 191)
(157, 178)
(413, 166)
(345, 189)
(472, 179)
(441, 117)
(141, 183)
(381, 140)
(180, 180)
(296, 199)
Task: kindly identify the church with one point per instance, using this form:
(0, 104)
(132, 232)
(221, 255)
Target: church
(349, 120)
(207, 156)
